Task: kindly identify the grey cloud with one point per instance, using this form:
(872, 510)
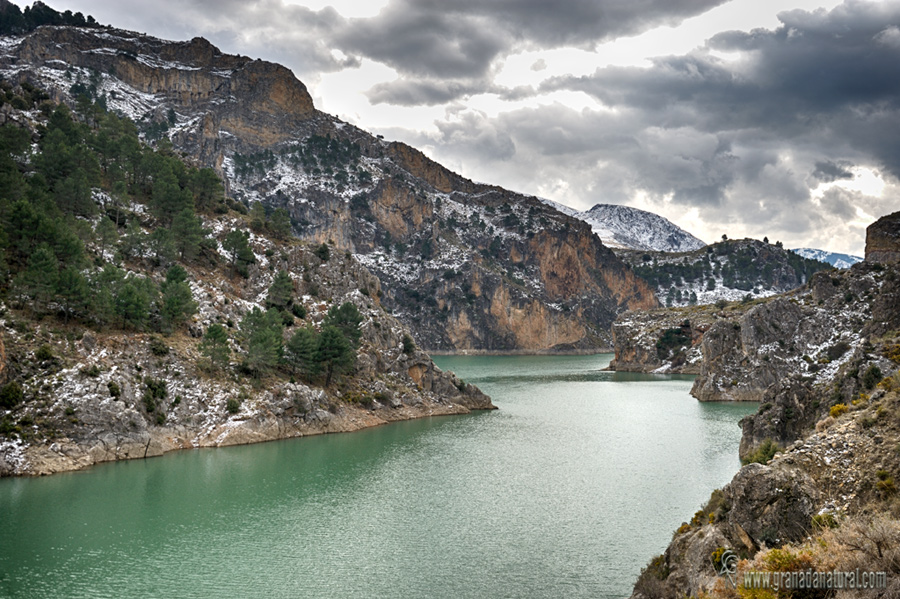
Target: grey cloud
(745, 141)
(430, 92)
(424, 40)
(840, 203)
(821, 78)
(473, 130)
(828, 171)
(463, 39)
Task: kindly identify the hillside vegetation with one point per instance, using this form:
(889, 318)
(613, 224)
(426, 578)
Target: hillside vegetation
(729, 270)
(143, 311)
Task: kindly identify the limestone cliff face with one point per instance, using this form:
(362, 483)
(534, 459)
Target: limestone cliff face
(883, 239)
(835, 342)
(798, 354)
(465, 265)
(258, 102)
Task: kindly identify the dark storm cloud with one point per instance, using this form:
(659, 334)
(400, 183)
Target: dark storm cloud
(431, 92)
(462, 38)
(424, 40)
(828, 172)
(824, 85)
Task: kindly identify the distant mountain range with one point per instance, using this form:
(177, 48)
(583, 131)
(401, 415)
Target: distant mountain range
(623, 227)
(832, 258)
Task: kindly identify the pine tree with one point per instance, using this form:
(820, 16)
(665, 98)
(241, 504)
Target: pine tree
(132, 304)
(300, 352)
(104, 287)
(281, 292)
(214, 346)
(73, 195)
(37, 282)
(334, 353)
(262, 336)
(239, 249)
(347, 319)
(207, 188)
(257, 217)
(162, 246)
(107, 234)
(73, 292)
(168, 198)
(134, 241)
(177, 300)
(187, 231)
(280, 224)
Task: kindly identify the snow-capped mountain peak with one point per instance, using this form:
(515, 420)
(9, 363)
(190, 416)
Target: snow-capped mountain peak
(623, 227)
(832, 258)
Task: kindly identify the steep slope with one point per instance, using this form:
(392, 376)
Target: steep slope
(139, 315)
(825, 362)
(832, 258)
(729, 270)
(465, 265)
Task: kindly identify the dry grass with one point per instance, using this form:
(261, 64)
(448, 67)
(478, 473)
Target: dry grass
(869, 544)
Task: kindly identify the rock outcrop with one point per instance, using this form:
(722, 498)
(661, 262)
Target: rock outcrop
(662, 341)
(464, 265)
(842, 472)
(825, 361)
(883, 240)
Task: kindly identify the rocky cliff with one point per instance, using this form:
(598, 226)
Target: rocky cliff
(825, 361)
(664, 340)
(145, 315)
(883, 240)
(465, 265)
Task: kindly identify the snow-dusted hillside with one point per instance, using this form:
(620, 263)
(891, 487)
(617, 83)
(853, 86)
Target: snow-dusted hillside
(729, 270)
(631, 228)
(623, 227)
(832, 258)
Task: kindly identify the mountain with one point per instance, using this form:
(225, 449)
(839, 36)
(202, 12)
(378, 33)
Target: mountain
(466, 266)
(832, 258)
(728, 270)
(623, 227)
(630, 228)
(142, 312)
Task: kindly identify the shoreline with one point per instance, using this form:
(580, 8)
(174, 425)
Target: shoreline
(519, 352)
(66, 455)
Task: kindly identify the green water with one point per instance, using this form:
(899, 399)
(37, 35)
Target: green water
(566, 491)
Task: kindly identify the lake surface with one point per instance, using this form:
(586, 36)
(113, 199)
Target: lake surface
(567, 491)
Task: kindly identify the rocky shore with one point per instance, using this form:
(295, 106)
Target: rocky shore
(819, 491)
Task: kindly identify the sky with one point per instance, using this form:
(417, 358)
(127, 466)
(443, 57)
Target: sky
(748, 118)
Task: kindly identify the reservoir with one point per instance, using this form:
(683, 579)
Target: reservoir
(567, 490)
